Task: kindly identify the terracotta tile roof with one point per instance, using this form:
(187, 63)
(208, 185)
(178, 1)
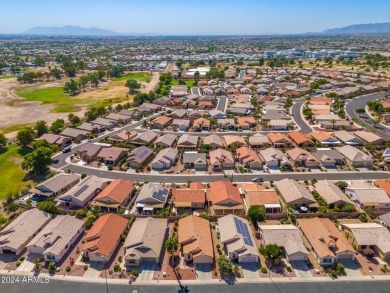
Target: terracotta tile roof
(275, 137)
(324, 237)
(246, 120)
(162, 120)
(321, 136)
(223, 190)
(189, 195)
(299, 137)
(248, 155)
(252, 187)
(195, 235)
(384, 184)
(266, 196)
(103, 237)
(117, 191)
(197, 185)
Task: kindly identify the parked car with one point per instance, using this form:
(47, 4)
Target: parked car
(66, 149)
(258, 179)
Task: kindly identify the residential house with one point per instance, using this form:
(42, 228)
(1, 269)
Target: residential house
(195, 240)
(279, 140)
(234, 140)
(237, 239)
(160, 122)
(151, 198)
(179, 114)
(165, 141)
(328, 244)
(386, 157)
(181, 124)
(324, 138)
(369, 236)
(216, 114)
(369, 137)
(258, 140)
(82, 193)
(226, 124)
(332, 194)
(59, 140)
(165, 159)
(103, 238)
(355, 157)
(145, 138)
(249, 158)
(213, 141)
(88, 152)
(201, 124)
(116, 195)
(134, 114)
(221, 159)
(224, 198)
(246, 123)
(145, 242)
(106, 123)
(302, 158)
(369, 197)
(92, 128)
(278, 124)
(329, 157)
(194, 160)
(294, 194)
(188, 199)
(56, 238)
(287, 237)
(139, 156)
(16, 235)
(384, 184)
(111, 155)
(123, 136)
(76, 135)
(274, 158)
(55, 185)
(255, 194)
(187, 142)
(301, 140)
(119, 118)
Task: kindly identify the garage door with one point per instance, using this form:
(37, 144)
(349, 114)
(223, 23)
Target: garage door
(248, 258)
(345, 256)
(7, 251)
(296, 257)
(149, 260)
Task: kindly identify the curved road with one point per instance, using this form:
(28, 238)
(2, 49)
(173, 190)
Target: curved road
(297, 116)
(361, 102)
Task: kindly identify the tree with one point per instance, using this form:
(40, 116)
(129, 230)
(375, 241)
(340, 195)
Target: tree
(47, 206)
(133, 85)
(261, 61)
(225, 264)
(71, 87)
(40, 127)
(271, 252)
(38, 160)
(37, 264)
(342, 184)
(74, 119)
(256, 213)
(196, 75)
(57, 126)
(25, 136)
(51, 267)
(360, 110)
(179, 63)
(171, 245)
(3, 140)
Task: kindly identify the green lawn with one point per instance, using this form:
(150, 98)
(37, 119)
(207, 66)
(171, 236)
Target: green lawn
(11, 179)
(7, 76)
(165, 87)
(139, 76)
(14, 128)
(56, 95)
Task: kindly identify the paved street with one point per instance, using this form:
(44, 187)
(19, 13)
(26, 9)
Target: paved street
(299, 120)
(195, 91)
(222, 103)
(361, 102)
(60, 286)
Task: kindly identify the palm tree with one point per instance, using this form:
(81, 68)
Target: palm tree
(333, 121)
(128, 135)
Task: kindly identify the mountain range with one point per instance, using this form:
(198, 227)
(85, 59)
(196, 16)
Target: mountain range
(69, 30)
(369, 28)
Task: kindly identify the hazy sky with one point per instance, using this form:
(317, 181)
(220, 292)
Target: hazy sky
(192, 17)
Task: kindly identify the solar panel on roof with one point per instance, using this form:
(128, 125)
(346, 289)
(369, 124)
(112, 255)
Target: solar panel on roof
(81, 190)
(158, 196)
(242, 228)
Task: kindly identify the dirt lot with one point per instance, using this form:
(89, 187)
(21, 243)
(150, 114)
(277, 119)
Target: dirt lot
(16, 112)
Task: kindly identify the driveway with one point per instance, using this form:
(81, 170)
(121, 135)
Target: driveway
(351, 267)
(94, 269)
(250, 270)
(301, 269)
(146, 272)
(203, 271)
(27, 265)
